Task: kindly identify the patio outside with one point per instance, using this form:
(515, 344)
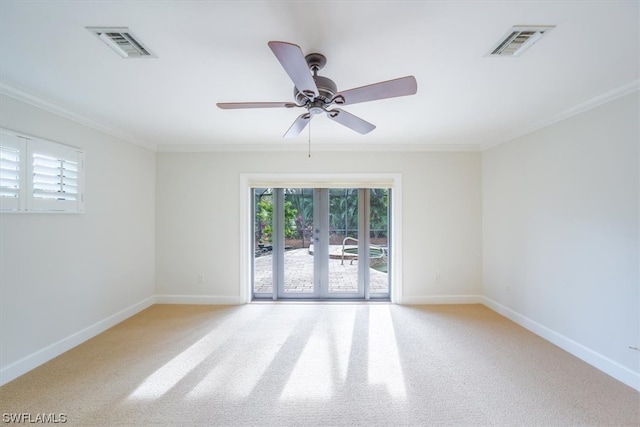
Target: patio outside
(299, 274)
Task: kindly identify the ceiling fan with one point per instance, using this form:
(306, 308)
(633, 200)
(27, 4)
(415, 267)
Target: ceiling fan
(317, 94)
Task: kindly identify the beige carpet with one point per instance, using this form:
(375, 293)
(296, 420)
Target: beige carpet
(321, 364)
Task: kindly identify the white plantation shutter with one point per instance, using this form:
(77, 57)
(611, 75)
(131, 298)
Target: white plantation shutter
(39, 176)
(12, 153)
(9, 172)
(54, 177)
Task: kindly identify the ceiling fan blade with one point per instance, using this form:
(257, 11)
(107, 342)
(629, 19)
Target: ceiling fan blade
(350, 121)
(297, 126)
(388, 89)
(238, 105)
(293, 62)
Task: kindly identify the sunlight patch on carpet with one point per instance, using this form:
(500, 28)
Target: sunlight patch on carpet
(311, 377)
(166, 377)
(237, 377)
(384, 358)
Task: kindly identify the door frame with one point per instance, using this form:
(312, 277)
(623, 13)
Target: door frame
(275, 180)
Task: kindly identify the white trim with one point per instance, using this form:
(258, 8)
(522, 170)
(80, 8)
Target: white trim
(324, 180)
(288, 147)
(396, 295)
(597, 360)
(442, 299)
(335, 180)
(49, 106)
(589, 104)
(198, 299)
(47, 353)
(245, 231)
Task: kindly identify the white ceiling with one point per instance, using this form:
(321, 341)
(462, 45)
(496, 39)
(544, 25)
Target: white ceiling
(216, 51)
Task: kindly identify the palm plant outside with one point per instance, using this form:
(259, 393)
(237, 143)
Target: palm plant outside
(343, 214)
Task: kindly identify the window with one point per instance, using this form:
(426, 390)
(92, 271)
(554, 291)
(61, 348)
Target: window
(39, 176)
(12, 150)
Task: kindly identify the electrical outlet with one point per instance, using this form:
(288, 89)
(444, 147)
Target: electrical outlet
(201, 279)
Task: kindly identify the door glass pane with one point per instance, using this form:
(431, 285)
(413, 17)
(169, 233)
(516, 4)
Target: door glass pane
(343, 240)
(379, 238)
(298, 233)
(263, 248)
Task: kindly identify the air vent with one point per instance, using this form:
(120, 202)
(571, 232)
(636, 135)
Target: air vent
(518, 39)
(122, 41)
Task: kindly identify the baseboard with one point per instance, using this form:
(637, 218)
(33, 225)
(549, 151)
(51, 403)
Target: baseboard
(39, 357)
(198, 299)
(442, 299)
(235, 300)
(595, 359)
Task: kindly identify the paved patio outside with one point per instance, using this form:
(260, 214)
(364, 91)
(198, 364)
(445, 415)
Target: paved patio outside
(298, 267)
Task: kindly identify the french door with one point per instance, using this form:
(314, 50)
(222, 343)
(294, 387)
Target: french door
(321, 243)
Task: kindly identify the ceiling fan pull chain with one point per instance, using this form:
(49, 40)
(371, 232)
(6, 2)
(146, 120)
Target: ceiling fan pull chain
(310, 136)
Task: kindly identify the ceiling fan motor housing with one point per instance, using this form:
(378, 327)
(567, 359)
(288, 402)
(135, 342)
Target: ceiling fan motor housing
(326, 89)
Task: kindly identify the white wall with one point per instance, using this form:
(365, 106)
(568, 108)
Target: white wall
(561, 234)
(198, 218)
(64, 277)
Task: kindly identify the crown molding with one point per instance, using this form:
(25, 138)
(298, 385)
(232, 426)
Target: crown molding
(590, 104)
(280, 147)
(49, 106)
